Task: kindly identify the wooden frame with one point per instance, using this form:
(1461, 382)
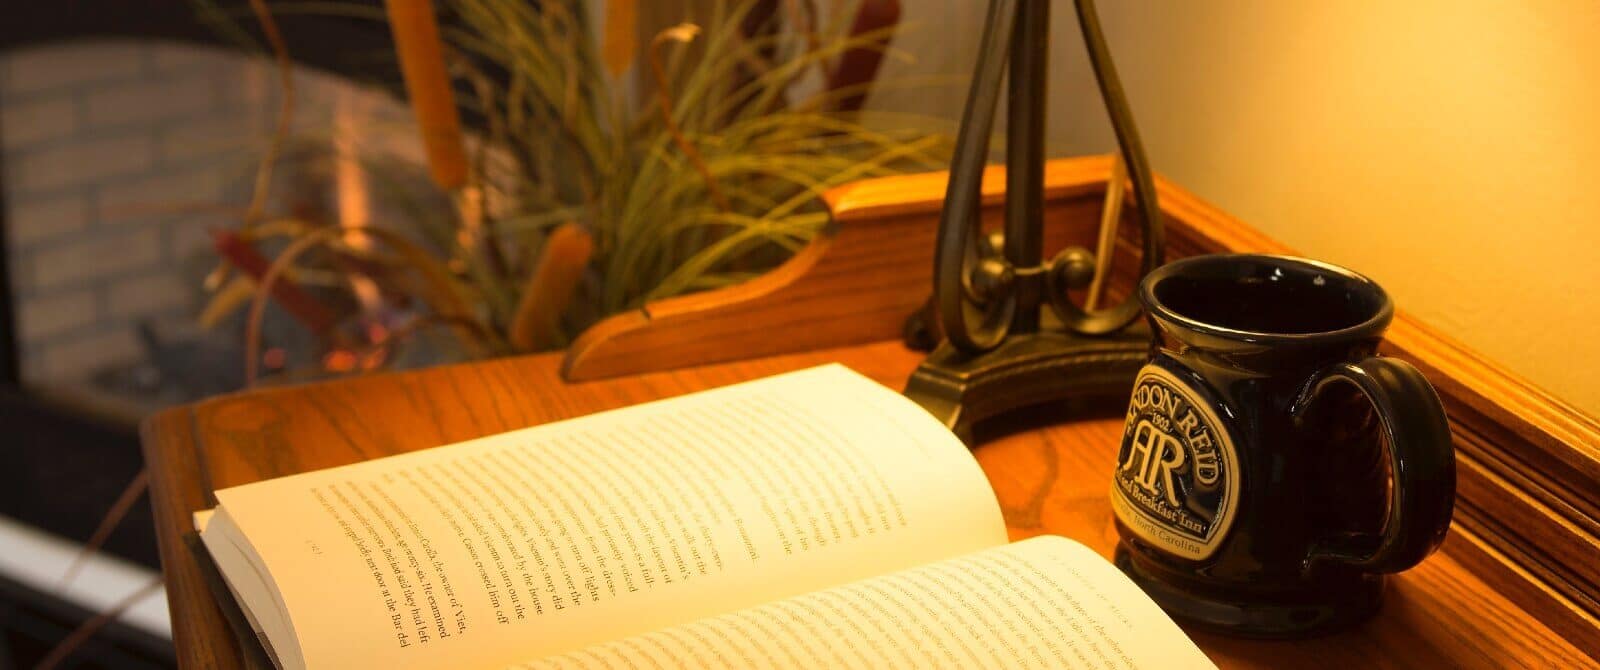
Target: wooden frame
(855, 283)
(1528, 512)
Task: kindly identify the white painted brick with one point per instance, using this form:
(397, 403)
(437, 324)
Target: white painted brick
(321, 87)
(159, 197)
(240, 133)
(158, 293)
(253, 84)
(174, 56)
(70, 64)
(102, 254)
(79, 163)
(76, 358)
(143, 102)
(33, 372)
(190, 238)
(43, 316)
(31, 219)
(33, 121)
(21, 267)
(256, 87)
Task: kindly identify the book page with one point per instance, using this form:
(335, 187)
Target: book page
(244, 585)
(552, 538)
(1045, 602)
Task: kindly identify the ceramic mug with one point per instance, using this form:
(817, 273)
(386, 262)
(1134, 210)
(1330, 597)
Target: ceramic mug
(1273, 467)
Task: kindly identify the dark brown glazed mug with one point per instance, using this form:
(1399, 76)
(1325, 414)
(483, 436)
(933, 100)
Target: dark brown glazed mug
(1273, 467)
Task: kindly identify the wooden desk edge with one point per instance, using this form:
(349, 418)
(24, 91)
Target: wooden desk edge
(169, 443)
(1530, 514)
(1528, 463)
(173, 446)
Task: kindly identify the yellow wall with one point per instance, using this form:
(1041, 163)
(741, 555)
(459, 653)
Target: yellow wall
(1449, 149)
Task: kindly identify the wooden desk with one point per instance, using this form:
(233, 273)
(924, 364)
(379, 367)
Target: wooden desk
(1049, 478)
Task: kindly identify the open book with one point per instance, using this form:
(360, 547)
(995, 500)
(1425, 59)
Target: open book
(810, 520)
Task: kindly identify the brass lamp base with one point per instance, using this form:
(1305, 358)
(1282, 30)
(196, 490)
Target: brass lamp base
(1026, 369)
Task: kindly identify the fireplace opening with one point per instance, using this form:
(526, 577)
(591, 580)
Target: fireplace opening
(120, 162)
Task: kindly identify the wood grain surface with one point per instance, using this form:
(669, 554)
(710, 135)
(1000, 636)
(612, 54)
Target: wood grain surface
(1517, 586)
(1529, 464)
(1050, 470)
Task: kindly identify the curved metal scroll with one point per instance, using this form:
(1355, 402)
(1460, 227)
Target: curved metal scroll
(1018, 31)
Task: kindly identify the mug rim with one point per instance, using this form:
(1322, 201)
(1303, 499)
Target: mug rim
(1371, 326)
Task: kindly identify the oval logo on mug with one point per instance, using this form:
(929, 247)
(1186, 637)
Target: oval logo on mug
(1177, 475)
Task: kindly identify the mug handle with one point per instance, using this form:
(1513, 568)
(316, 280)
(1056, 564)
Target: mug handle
(1421, 460)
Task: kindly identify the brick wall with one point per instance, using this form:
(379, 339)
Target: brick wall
(115, 156)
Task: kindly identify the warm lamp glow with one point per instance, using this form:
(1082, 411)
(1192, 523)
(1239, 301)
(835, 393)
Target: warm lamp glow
(1447, 149)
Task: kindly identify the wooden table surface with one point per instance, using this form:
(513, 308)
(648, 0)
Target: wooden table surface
(1049, 471)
